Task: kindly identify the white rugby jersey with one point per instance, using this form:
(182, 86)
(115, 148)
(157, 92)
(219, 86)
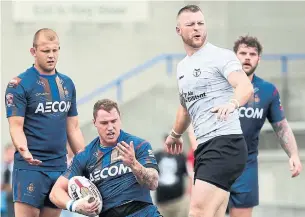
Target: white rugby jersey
(202, 80)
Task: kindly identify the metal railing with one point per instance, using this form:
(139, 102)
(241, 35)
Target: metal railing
(169, 61)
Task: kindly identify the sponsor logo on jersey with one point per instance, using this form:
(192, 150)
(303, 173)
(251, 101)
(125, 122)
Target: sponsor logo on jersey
(14, 82)
(151, 153)
(112, 171)
(48, 107)
(41, 83)
(256, 113)
(280, 105)
(66, 92)
(197, 72)
(42, 94)
(9, 100)
(190, 96)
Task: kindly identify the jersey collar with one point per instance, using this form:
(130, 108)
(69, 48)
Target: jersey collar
(37, 72)
(120, 138)
(254, 79)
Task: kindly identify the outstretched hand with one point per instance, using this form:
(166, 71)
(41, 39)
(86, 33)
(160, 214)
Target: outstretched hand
(126, 153)
(28, 157)
(223, 111)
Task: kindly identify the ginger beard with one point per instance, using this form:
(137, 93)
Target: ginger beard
(195, 41)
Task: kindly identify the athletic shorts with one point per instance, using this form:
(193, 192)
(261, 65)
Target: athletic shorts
(133, 209)
(149, 211)
(221, 160)
(33, 187)
(245, 191)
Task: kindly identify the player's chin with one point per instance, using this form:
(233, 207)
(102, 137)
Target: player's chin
(249, 72)
(49, 68)
(112, 140)
(197, 43)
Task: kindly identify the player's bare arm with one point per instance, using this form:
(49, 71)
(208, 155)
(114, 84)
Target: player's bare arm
(60, 197)
(183, 119)
(174, 141)
(75, 136)
(145, 176)
(19, 139)
(243, 90)
(289, 144)
(59, 194)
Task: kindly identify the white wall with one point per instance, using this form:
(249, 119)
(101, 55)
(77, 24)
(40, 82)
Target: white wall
(276, 187)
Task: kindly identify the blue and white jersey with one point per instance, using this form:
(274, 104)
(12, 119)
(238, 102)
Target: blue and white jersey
(45, 102)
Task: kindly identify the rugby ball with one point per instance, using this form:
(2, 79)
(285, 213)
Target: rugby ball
(80, 187)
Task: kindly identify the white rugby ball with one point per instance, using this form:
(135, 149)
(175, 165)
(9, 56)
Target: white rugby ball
(80, 187)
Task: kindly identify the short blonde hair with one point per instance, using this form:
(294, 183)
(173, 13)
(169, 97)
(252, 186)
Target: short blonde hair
(104, 104)
(48, 33)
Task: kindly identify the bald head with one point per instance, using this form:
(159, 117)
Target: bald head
(44, 34)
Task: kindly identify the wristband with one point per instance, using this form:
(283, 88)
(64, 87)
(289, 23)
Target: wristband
(73, 206)
(175, 135)
(69, 205)
(235, 102)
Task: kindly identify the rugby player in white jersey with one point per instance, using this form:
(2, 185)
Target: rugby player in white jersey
(212, 86)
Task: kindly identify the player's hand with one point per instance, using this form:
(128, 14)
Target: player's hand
(295, 165)
(223, 111)
(87, 206)
(173, 145)
(126, 153)
(27, 156)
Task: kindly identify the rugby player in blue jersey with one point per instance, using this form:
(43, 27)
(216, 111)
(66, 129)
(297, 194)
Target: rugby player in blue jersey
(42, 114)
(265, 103)
(121, 165)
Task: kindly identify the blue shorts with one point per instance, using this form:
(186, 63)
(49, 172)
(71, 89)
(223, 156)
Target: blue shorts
(244, 192)
(33, 187)
(148, 211)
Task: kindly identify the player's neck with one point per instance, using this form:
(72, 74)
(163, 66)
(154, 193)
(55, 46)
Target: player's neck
(42, 72)
(190, 50)
(104, 144)
(251, 77)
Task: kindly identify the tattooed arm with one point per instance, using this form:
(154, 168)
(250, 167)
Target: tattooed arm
(286, 137)
(145, 176)
(288, 143)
